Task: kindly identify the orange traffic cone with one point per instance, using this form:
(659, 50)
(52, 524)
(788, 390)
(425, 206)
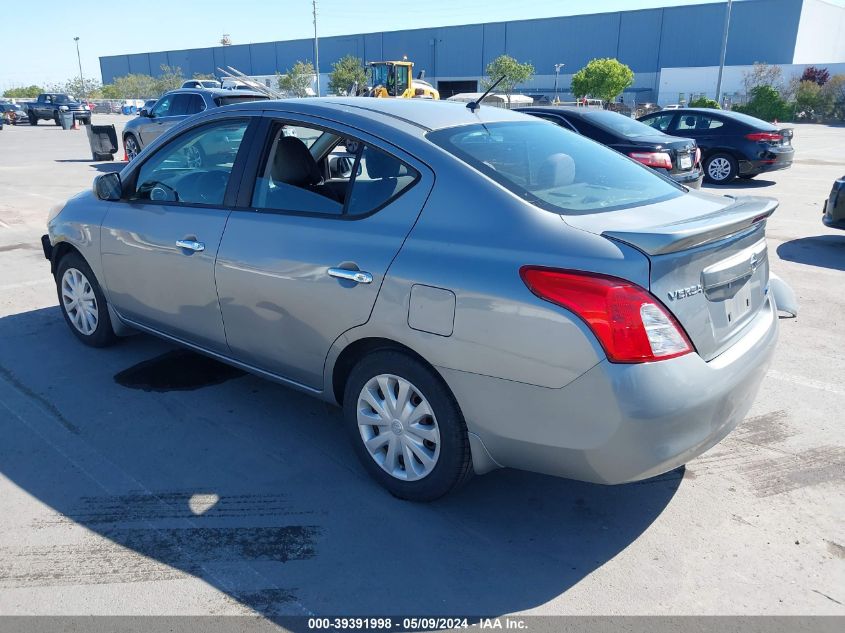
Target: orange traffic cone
(75, 125)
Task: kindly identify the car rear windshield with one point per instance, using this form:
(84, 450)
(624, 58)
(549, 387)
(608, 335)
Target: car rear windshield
(615, 122)
(555, 169)
(223, 101)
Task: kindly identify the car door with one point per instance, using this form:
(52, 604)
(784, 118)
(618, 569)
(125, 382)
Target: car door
(167, 112)
(159, 242)
(302, 259)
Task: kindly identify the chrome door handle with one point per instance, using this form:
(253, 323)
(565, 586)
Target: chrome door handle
(358, 276)
(191, 245)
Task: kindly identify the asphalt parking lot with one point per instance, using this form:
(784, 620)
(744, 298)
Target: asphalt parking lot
(119, 496)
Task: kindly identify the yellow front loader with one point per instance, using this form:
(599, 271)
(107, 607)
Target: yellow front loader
(395, 79)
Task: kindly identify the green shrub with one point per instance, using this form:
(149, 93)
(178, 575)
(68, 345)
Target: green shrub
(767, 104)
(704, 102)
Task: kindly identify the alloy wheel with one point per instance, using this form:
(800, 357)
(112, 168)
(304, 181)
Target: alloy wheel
(398, 427)
(719, 168)
(131, 146)
(79, 301)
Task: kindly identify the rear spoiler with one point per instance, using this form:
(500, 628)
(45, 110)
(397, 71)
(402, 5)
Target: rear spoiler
(744, 213)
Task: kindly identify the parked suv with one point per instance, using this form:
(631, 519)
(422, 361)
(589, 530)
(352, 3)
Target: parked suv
(172, 108)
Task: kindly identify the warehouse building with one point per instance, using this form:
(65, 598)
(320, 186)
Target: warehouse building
(673, 51)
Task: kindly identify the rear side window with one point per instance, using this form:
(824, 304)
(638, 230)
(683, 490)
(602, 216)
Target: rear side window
(348, 178)
(223, 101)
(660, 122)
(698, 122)
(554, 169)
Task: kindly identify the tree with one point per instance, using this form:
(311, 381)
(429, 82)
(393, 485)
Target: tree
(767, 104)
(604, 79)
(132, 86)
(27, 92)
(762, 74)
(819, 76)
(704, 102)
(809, 100)
(90, 88)
(346, 73)
(297, 80)
(514, 73)
(834, 95)
(169, 79)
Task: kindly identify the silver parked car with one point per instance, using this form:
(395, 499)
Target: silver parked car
(476, 289)
(172, 108)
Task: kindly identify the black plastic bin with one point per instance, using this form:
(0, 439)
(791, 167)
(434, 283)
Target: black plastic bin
(103, 141)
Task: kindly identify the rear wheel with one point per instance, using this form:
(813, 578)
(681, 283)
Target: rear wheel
(82, 302)
(130, 144)
(720, 169)
(406, 427)
(33, 120)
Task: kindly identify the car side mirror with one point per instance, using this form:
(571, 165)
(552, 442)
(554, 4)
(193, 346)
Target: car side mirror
(108, 186)
(144, 112)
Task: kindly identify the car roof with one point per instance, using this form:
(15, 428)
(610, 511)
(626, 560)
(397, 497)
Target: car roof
(567, 110)
(426, 114)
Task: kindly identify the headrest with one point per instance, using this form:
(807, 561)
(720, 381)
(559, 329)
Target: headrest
(293, 163)
(381, 165)
(689, 121)
(558, 170)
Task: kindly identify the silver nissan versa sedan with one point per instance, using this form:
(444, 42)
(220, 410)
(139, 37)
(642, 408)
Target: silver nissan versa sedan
(476, 288)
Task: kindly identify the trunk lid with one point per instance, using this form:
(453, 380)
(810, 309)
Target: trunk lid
(708, 259)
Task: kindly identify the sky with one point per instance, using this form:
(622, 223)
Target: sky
(37, 47)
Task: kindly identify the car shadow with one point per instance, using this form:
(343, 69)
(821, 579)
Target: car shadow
(740, 183)
(101, 166)
(253, 488)
(827, 251)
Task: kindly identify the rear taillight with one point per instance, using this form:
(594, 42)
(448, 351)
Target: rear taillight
(653, 159)
(766, 137)
(631, 324)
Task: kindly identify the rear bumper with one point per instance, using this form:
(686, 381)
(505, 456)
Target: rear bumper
(753, 167)
(619, 423)
(691, 179)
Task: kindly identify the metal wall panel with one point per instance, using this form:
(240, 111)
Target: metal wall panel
(113, 66)
(495, 39)
(292, 51)
(683, 41)
(763, 32)
(263, 58)
(139, 63)
(333, 48)
(373, 49)
(639, 39)
(417, 45)
(458, 51)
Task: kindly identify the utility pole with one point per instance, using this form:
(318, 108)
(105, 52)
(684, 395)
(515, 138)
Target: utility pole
(557, 72)
(79, 59)
(316, 46)
(724, 52)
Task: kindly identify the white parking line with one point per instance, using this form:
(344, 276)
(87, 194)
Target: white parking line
(806, 382)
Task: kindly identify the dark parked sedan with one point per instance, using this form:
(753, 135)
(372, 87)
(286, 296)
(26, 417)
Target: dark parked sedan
(732, 144)
(12, 114)
(834, 206)
(677, 158)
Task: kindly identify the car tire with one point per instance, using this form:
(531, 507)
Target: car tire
(131, 146)
(56, 119)
(429, 431)
(33, 120)
(82, 302)
(720, 169)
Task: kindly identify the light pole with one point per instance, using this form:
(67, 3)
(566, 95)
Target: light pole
(724, 52)
(316, 47)
(557, 72)
(79, 59)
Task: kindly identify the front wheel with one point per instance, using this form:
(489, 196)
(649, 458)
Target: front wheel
(720, 169)
(33, 120)
(82, 302)
(406, 426)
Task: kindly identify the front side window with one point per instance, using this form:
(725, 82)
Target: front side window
(553, 169)
(194, 168)
(310, 170)
(162, 106)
